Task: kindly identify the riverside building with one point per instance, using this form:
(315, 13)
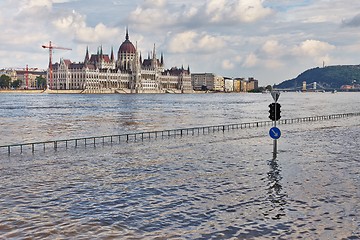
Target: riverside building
(207, 81)
(129, 73)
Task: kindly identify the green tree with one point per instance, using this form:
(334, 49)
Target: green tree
(40, 82)
(257, 90)
(5, 81)
(16, 83)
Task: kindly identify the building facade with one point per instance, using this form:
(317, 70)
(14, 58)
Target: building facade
(212, 82)
(128, 73)
(252, 84)
(27, 77)
(207, 81)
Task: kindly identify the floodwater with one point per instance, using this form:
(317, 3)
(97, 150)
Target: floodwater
(222, 185)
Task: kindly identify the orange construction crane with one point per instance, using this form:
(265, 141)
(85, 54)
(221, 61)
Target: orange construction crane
(51, 47)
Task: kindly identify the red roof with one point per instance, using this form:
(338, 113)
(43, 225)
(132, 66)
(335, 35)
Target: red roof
(95, 58)
(127, 47)
(67, 62)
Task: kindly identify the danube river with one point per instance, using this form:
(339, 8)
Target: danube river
(222, 185)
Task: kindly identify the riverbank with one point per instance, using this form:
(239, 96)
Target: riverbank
(88, 91)
(21, 91)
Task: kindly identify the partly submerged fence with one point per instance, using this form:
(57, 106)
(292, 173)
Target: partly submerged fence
(94, 141)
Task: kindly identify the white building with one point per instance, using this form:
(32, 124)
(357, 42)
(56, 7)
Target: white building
(129, 73)
(229, 85)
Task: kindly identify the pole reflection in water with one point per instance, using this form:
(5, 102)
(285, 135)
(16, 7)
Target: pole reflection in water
(275, 194)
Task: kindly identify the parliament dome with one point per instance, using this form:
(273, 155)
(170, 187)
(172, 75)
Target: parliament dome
(127, 46)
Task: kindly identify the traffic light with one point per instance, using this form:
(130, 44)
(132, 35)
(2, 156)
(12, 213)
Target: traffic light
(277, 111)
(274, 111)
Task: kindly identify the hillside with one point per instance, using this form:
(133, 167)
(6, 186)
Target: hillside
(332, 77)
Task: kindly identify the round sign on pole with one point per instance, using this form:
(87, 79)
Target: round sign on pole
(275, 133)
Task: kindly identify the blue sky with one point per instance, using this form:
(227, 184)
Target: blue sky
(271, 40)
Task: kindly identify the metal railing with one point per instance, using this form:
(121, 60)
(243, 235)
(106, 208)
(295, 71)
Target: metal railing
(94, 141)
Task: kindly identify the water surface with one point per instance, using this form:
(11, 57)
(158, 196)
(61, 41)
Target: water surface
(213, 186)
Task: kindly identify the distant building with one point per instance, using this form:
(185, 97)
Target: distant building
(240, 85)
(129, 73)
(207, 81)
(243, 85)
(252, 84)
(229, 85)
(31, 76)
(23, 74)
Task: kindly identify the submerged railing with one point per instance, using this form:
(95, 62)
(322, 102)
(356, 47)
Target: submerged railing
(94, 141)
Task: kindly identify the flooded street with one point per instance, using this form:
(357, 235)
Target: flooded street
(222, 185)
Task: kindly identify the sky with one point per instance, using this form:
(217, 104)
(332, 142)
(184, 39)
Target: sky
(270, 40)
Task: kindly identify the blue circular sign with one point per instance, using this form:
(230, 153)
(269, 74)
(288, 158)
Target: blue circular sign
(275, 133)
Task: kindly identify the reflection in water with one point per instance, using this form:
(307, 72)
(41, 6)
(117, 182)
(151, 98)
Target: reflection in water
(275, 194)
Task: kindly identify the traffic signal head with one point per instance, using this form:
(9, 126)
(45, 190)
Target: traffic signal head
(277, 111)
(274, 111)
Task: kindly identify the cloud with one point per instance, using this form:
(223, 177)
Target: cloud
(273, 48)
(23, 25)
(235, 11)
(75, 24)
(32, 4)
(227, 64)
(313, 48)
(98, 34)
(250, 10)
(28, 24)
(251, 60)
(191, 41)
(274, 55)
(353, 22)
(154, 3)
(274, 64)
(160, 13)
(69, 22)
(153, 13)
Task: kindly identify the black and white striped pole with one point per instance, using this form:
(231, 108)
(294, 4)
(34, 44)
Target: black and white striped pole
(275, 111)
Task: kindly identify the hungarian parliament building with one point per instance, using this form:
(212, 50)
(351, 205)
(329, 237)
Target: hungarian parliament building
(129, 73)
